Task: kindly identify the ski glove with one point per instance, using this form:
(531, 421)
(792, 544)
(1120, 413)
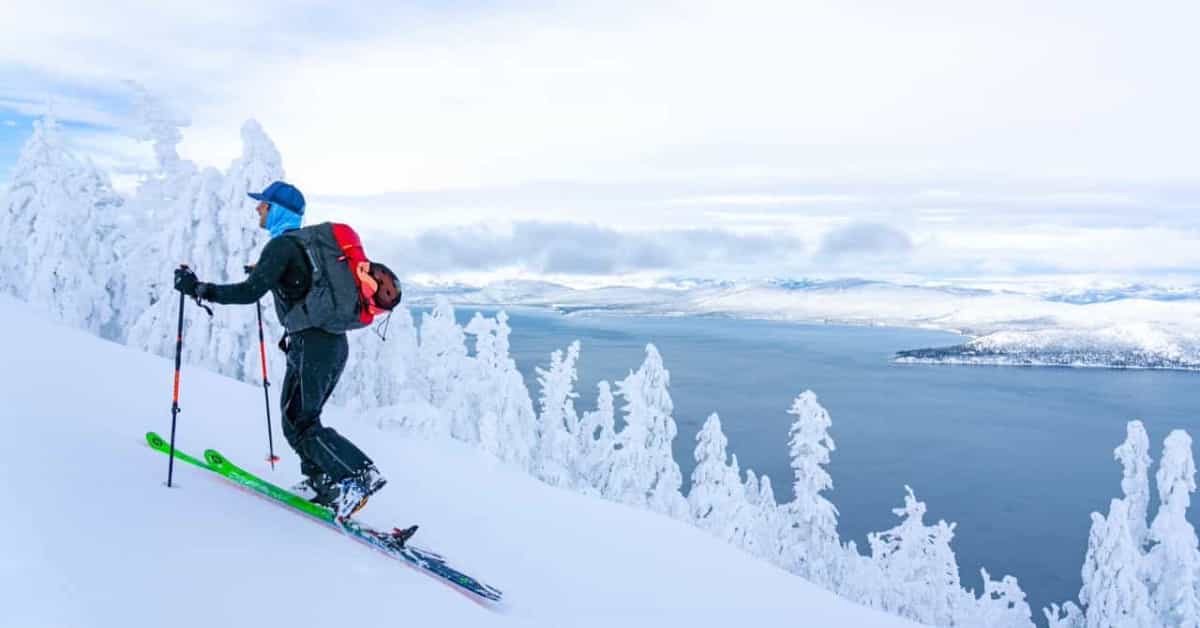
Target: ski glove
(186, 282)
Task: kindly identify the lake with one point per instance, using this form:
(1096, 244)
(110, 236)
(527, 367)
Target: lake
(1017, 456)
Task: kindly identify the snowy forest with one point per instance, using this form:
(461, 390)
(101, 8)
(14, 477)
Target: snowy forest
(102, 261)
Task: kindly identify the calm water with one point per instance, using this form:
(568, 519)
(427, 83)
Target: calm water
(1018, 457)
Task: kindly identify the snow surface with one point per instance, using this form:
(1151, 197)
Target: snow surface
(98, 540)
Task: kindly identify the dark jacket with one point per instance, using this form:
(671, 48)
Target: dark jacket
(283, 268)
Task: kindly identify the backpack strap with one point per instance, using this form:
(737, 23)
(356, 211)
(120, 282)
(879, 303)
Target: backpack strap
(302, 240)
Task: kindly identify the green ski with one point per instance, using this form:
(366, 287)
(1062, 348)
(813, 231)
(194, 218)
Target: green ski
(391, 543)
(158, 443)
(236, 474)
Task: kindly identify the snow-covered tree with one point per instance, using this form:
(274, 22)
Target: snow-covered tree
(752, 540)
(1134, 456)
(1114, 592)
(1173, 563)
(920, 571)
(58, 222)
(210, 226)
(505, 423)
(858, 577)
(1068, 615)
(160, 123)
(642, 470)
(443, 355)
(1002, 605)
(759, 531)
(717, 498)
(597, 438)
(381, 372)
(810, 538)
(767, 522)
(153, 227)
(558, 424)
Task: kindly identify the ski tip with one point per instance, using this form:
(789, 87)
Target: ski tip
(214, 458)
(155, 441)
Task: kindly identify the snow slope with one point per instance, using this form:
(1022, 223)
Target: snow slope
(96, 539)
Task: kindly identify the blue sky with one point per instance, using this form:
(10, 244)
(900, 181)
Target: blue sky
(947, 137)
(13, 131)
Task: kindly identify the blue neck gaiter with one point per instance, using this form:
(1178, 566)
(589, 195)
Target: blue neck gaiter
(281, 219)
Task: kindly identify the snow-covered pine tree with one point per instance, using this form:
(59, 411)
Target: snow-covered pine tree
(506, 424)
(597, 437)
(768, 522)
(810, 537)
(1173, 563)
(1134, 456)
(211, 227)
(151, 214)
(379, 372)
(642, 470)
(717, 498)
(1069, 615)
(558, 423)
(443, 355)
(759, 531)
(1001, 605)
(751, 539)
(60, 215)
(160, 123)
(919, 568)
(1114, 592)
(858, 578)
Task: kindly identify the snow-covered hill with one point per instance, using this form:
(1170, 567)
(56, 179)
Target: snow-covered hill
(96, 539)
(1122, 325)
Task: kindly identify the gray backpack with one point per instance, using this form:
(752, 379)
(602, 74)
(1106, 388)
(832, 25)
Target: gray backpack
(333, 302)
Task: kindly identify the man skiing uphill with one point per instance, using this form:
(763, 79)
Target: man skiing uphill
(300, 267)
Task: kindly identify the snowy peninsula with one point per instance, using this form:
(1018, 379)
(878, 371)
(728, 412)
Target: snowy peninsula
(1055, 323)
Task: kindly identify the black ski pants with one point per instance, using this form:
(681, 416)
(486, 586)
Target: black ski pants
(315, 360)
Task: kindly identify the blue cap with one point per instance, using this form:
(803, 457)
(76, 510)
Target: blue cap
(284, 194)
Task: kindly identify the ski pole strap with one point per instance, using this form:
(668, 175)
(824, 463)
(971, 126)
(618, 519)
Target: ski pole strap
(202, 305)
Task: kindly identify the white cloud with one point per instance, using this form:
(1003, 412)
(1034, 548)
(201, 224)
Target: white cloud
(864, 240)
(368, 98)
(562, 248)
(751, 200)
(994, 138)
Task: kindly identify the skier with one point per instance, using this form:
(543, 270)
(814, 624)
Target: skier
(337, 473)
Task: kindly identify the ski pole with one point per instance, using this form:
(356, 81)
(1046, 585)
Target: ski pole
(175, 392)
(262, 354)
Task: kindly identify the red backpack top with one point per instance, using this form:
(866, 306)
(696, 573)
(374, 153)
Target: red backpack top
(367, 275)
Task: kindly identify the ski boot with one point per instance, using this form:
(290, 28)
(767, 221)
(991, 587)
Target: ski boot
(318, 490)
(354, 490)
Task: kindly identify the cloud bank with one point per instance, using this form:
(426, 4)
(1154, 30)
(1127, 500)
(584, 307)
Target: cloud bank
(864, 240)
(582, 249)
